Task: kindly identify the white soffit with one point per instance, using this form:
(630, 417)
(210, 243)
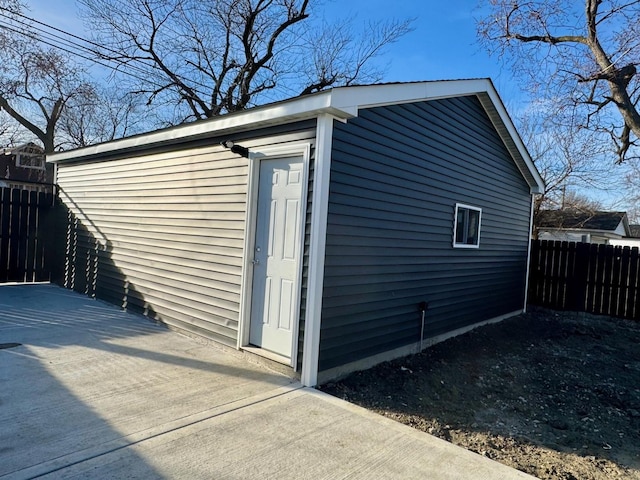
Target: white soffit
(278, 113)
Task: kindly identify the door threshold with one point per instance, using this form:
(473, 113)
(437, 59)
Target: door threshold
(275, 357)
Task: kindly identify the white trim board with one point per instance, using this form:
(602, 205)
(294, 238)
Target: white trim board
(526, 277)
(340, 102)
(315, 280)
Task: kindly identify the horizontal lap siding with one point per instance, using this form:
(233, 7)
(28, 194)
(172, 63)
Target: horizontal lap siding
(397, 173)
(163, 233)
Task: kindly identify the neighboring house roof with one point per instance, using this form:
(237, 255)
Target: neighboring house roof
(634, 231)
(24, 165)
(29, 147)
(581, 220)
(342, 103)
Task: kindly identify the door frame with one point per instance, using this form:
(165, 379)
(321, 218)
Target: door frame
(256, 155)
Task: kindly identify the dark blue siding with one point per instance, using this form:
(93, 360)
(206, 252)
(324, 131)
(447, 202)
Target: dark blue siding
(397, 173)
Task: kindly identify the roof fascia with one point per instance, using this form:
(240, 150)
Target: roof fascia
(354, 98)
(340, 102)
(506, 129)
(298, 109)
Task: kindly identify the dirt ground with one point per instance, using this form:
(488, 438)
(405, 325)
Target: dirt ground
(554, 394)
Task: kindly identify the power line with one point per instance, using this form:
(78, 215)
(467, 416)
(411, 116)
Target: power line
(84, 57)
(77, 49)
(61, 31)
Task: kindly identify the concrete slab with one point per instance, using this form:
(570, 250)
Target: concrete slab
(94, 392)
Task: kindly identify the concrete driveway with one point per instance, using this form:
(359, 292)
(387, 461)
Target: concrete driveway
(95, 392)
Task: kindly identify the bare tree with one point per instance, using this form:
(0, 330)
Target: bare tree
(7, 129)
(103, 114)
(35, 83)
(208, 58)
(632, 189)
(585, 60)
(568, 160)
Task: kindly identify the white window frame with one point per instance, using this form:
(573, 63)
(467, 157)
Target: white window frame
(24, 155)
(455, 226)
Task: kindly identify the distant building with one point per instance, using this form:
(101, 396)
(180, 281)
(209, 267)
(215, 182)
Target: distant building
(632, 240)
(582, 226)
(24, 167)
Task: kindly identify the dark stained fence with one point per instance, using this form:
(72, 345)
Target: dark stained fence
(24, 235)
(584, 277)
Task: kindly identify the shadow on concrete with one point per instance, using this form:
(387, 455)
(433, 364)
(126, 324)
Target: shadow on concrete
(85, 376)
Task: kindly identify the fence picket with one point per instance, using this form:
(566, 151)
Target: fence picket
(562, 275)
(592, 265)
(599, 279)
(14, 239)
(23, 244)
(633, 297)
(615, 301)
(548, 275)
(5, 222)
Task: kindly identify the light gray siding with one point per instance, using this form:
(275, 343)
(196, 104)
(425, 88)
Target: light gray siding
(397, 173)
(163, 233)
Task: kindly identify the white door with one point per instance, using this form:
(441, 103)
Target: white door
(277, 255)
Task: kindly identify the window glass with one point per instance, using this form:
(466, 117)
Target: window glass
(460, 221)
(467, 226)
(29, 160)
(472, 227)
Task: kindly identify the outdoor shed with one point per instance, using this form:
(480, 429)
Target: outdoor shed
(318, 236)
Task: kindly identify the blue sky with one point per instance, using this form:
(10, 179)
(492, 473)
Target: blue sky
(442, 46)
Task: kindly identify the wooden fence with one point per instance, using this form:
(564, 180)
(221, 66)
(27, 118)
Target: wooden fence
(583, 277)
(24, 235)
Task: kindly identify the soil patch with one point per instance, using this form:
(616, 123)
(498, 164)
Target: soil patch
(556, 395)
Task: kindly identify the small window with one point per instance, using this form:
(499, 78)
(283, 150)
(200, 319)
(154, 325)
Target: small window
(30, 160)
(466, 230)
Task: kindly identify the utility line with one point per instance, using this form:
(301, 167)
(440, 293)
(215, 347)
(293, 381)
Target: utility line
(70, 47)
(58, 47)
(60, 31)
(81, 51)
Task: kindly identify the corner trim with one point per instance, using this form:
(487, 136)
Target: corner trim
(526, 278)
(318, 231)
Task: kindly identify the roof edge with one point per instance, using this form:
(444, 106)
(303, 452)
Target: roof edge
(505, 127)
(354, 98)
(298, 109)
(342, 103)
